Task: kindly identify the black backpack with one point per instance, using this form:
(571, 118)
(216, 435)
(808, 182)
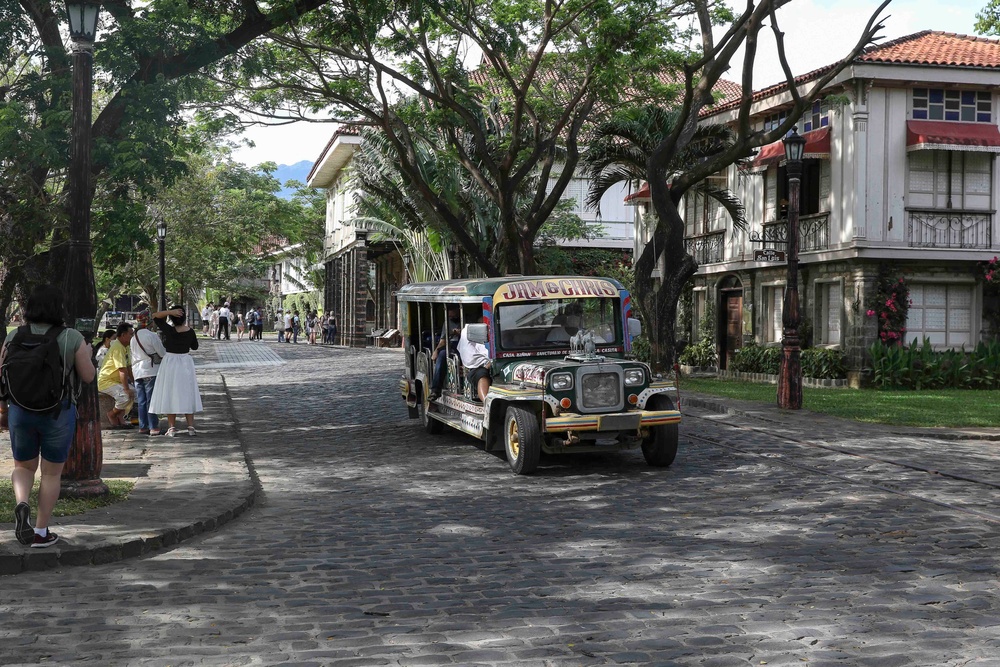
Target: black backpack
(32, 375)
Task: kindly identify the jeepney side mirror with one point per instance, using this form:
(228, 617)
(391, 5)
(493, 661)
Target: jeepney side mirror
(634, 327)
(478, 333)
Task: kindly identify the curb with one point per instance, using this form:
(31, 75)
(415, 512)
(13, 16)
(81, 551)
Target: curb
(186, 492)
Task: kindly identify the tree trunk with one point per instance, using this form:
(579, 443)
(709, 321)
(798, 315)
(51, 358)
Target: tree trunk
(658, 304)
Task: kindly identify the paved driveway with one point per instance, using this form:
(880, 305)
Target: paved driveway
(376, 544)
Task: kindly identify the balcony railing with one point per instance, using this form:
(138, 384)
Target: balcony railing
(950, 228)
(814, 233)
(706, 248)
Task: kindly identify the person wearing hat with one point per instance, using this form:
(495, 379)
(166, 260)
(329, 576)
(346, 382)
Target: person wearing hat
(147, 352)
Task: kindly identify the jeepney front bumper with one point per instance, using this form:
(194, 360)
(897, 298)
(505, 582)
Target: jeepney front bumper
(632, 420)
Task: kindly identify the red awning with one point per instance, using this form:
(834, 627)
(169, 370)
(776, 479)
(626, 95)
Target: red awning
(817, 146)
(641, 193)
(943, 135)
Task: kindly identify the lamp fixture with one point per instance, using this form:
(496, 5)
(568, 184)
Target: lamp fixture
(82, 16)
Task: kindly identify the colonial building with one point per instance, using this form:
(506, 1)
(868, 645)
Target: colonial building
(354, 292)
(900, 175)
(362, 276)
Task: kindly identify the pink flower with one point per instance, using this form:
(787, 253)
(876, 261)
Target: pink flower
(870, 312)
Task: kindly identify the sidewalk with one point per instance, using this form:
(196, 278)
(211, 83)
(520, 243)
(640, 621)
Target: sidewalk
(183, 486)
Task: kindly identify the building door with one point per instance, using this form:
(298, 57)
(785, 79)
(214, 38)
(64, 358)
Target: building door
(733, 339)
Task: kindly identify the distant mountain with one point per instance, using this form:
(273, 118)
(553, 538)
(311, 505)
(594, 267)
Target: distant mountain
(294, 172)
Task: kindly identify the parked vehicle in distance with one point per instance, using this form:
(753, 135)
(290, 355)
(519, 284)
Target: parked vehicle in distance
(560, 382)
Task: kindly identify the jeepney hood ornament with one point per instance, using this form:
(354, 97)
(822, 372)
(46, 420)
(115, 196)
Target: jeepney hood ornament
(583, 348)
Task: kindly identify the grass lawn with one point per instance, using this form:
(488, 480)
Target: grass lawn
(64, 506)
(955, 408)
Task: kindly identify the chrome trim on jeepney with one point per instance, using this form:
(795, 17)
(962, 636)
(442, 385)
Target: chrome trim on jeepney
(610, 422)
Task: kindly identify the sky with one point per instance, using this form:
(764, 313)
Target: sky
(817, 33)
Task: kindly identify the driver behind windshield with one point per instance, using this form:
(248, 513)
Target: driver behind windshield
(567, 323)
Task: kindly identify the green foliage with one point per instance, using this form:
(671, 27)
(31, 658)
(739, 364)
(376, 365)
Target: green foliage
(304, 302)
(507, 124)
(823, 364)
(753, 358)
(701, 354)
(918, 366)
(641, 349)
(557, 260)
(818, 363)
(988, 20)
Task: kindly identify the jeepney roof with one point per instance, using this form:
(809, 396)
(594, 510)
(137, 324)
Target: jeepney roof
(474, 290)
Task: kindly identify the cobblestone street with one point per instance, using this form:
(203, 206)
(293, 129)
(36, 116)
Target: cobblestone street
(373, 543)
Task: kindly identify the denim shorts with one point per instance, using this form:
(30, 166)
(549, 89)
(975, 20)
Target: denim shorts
(32, 433)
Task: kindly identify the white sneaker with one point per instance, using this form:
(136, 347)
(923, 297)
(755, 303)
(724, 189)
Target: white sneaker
(191, 431)
(171, 432)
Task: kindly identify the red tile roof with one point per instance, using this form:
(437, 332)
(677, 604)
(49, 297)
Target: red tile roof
(929, 47)
(937, 48)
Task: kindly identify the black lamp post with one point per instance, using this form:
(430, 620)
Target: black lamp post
(83, 468)
(790, 375)
(161, 237)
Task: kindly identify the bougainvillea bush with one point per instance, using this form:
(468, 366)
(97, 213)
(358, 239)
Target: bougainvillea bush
(890, 303)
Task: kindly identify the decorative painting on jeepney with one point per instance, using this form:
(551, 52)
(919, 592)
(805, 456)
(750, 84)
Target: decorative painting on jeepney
(557, 288)
(529, 374)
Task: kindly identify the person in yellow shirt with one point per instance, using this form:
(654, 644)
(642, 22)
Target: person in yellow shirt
(116, 375)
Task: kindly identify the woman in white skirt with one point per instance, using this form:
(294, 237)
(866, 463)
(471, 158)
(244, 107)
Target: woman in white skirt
(176, 389)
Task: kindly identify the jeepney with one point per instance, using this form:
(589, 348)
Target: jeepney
(560, 378)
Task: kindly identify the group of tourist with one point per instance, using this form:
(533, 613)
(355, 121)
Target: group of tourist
(289, 324)
(136, 366)
(133, 358)
(220, 322)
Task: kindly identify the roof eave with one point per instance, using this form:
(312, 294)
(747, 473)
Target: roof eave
(337, 155)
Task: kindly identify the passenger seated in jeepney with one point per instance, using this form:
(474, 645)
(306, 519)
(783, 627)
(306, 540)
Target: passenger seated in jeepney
(447, 344)
(475, 358)
(567, 323)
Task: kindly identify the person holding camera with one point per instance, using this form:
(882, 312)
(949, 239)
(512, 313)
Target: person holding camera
(147, 353)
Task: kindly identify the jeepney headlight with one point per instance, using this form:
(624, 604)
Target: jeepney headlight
(561, 381)
(634, 376)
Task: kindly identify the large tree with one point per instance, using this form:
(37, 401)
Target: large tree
(148, 65)
(508, 87)
(680, 159)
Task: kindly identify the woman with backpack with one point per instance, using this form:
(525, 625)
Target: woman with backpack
(312, 326)
(176, 389)
(41, 437)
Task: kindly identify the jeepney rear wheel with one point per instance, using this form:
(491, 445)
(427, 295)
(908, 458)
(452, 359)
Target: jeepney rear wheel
(659, 448)
(431, 425)
(522, 440)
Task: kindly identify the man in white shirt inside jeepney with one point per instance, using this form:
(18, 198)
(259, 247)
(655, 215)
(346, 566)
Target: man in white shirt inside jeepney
(476, 359)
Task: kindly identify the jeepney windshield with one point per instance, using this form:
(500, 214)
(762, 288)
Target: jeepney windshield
(550, 323)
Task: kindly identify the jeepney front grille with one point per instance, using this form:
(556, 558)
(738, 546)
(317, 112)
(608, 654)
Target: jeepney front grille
(601, 389)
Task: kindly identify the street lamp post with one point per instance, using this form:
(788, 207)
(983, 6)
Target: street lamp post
(161, 236)
(790, 375)
(82, 475)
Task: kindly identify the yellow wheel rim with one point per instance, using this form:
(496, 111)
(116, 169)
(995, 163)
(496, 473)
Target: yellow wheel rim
(513, 439)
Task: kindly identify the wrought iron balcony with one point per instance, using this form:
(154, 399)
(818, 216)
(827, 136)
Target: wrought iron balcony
(950, 228)
(814, 233)
(706, 248)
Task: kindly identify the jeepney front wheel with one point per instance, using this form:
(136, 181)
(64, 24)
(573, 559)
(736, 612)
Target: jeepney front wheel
(522, 440)
(431, 425)
(659, 448)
